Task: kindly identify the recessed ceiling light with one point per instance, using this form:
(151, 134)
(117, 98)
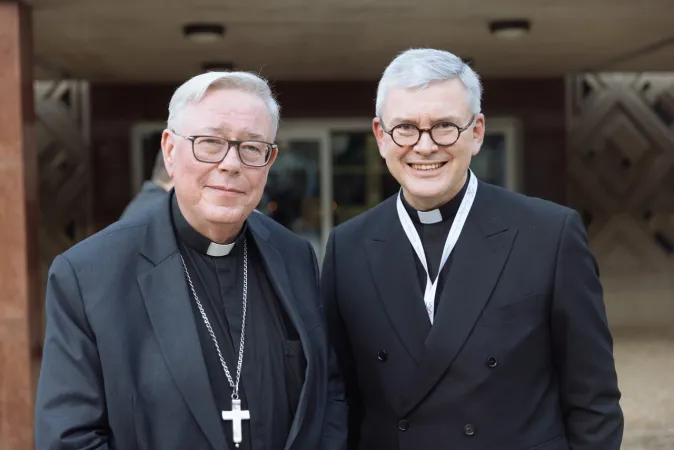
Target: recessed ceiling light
(509, 29)
(217, 66)
(203, 33)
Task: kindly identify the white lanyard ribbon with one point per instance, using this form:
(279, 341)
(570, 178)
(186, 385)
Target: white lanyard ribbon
(454, 232)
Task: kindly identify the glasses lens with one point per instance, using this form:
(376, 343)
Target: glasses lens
(209, 149)
(405, 134)
(254, 153)
(445, 133)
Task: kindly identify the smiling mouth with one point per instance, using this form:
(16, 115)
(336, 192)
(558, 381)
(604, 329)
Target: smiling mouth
(427, 166)
(228, 190)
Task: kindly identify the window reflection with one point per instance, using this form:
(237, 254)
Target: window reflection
(292, 194)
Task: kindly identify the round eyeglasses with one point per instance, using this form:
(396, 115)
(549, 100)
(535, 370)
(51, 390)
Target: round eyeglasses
(443, 134)
(211, 149)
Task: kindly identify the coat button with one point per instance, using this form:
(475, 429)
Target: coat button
(469, 429)
(403, 425)
(492, 362)
(382, 355)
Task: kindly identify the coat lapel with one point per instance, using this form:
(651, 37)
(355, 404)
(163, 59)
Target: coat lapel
(275, 267)
(477, 261)
(167, 298)
(392, 263)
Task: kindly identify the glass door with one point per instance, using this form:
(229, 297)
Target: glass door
(299, 193)
(500, 159)
(293, 196)
(360, 177)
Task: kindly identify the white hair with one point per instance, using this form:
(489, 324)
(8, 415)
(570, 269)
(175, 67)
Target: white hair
(193, 90)
(417, 68)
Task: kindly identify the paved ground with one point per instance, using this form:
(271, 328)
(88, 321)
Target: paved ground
(645, 365)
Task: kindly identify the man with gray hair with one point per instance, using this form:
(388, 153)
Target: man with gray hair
(197, 326)
(464, 316)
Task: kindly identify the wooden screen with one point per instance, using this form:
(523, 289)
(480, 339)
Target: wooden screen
(65, 191)
(621, 179)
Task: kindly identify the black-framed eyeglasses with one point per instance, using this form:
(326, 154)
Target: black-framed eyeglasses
(212, 149)
(443, 134)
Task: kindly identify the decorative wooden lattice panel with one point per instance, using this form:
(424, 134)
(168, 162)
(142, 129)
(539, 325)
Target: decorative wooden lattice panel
(621, 179)
(62, 140)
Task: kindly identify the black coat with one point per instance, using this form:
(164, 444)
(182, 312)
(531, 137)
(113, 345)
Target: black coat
(122, 365)
(519, 356)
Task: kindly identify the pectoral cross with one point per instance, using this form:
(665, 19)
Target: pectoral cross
(236, 416)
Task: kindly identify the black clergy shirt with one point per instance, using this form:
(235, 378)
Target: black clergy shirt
(273, 362)
(433, 237)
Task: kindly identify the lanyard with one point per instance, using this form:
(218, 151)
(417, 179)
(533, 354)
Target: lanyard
(452, 237)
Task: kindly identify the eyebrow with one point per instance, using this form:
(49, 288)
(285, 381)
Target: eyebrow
(248, 133)
(452, 119)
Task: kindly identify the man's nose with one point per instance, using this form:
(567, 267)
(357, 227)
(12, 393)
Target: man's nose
(425, 145)
(231, 162)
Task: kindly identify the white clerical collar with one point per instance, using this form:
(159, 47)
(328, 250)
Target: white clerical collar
(191, 237)
(432, 216)
(444, 212)
(220, 249)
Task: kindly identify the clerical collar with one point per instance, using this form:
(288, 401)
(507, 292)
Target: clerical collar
(444, 212)
(187, 234)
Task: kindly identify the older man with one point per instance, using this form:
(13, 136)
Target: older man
(199, 326)
(464, 316)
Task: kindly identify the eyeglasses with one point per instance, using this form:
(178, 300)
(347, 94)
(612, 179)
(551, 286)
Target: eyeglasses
(211, 149)
(443, 134)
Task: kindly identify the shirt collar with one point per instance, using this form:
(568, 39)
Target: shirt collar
(443, 213)
(191, 237)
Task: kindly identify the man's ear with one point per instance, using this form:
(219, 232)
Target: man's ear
(478, 133)
(167, 147)
(379, 134)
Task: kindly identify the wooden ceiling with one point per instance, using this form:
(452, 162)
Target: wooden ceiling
(142, 40)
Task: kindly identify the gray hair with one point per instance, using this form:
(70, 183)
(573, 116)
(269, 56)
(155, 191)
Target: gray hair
(417, 68)
(193, 90)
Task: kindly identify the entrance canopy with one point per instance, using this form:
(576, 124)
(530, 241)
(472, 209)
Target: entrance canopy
(144, 41)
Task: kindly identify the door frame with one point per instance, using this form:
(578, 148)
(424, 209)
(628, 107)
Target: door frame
(138, 131)
(511, 129)
(321, 129)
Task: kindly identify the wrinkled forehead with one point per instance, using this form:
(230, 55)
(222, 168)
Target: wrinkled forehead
(442, 101)
(229, 112)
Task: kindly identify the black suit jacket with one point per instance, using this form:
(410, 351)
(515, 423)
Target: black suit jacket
(122, 364)
(519, 356)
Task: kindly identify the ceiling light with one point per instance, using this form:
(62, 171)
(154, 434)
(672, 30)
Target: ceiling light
(203, 33)
(509, 29)
(217, 66)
